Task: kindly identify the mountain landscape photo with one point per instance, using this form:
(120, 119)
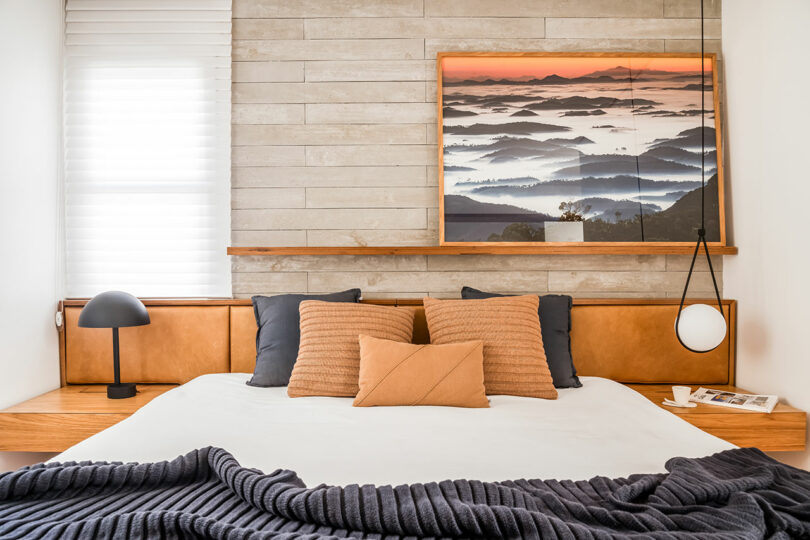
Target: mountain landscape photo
(614, 142)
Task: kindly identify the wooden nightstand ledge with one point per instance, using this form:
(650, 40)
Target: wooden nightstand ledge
(785, 429)
(55, 421)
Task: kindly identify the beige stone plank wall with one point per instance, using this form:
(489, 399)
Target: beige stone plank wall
(334, 139)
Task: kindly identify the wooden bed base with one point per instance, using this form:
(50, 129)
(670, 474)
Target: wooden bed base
(630, 341)
(627, 340)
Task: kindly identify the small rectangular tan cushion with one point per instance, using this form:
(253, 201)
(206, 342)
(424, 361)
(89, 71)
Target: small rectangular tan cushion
(514, 359)
(328, 362)
(393, 373)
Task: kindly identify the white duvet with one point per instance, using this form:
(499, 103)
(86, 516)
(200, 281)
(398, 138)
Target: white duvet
(603, 428)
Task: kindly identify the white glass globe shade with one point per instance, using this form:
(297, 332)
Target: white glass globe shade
(701, 327)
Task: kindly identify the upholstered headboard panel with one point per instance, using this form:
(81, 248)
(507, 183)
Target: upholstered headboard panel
(634, 342)
(628, 341)
(182, 342)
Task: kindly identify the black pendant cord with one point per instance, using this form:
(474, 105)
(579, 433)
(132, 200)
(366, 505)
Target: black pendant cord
(702, 231)
(638, 169)
(701, 240)
(702, 132)
(640, 199)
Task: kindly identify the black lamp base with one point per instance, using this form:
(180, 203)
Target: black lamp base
(121, 390)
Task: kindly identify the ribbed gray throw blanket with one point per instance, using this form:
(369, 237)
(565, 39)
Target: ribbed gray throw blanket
(207, 494)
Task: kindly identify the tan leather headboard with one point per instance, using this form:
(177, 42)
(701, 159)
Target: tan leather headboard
(181, 342)
(628, 341)
(636, 343)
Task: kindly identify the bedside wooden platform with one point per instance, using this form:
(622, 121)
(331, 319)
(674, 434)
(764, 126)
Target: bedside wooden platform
(55, 421)
(785, 429)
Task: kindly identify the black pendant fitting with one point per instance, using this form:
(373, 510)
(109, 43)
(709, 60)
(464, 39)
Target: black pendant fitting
(700, 241)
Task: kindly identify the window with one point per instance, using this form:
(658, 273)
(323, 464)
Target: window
(147, 147)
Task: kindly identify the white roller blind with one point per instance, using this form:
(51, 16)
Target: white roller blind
(147, 147)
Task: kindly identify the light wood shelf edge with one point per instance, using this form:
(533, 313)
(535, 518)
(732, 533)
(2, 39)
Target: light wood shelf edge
(783, 430)
(551, 249)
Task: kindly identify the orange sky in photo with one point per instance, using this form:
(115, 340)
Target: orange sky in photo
(499, 67)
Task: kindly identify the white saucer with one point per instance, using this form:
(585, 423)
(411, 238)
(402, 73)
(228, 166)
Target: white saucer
(670, 403)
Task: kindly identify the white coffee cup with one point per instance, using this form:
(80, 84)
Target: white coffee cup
(681, 394)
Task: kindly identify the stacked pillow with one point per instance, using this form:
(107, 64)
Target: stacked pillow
(554, 312)
(330, 345)
(328, 361)
(514, 361)
(406, 374)
(278, 333)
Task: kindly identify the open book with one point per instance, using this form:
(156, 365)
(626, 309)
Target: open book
(749, 402)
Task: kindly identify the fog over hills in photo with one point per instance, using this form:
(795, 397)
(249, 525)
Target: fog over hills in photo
(619, 143)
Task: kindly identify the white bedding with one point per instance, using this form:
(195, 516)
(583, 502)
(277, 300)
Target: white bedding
(603, 428)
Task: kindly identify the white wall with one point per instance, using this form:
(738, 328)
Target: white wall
(766, 47)
(30, 119)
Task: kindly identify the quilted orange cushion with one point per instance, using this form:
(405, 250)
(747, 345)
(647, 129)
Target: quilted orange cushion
(328, 362)
(394, 373)
(514, 359)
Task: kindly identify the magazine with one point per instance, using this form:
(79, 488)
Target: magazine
(749, 402)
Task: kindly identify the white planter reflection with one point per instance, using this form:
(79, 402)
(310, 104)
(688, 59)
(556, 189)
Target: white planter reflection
(564, 231)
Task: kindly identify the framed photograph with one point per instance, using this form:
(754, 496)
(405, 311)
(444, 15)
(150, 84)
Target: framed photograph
(586, 148)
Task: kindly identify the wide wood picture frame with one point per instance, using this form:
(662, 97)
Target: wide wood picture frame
(653, 107)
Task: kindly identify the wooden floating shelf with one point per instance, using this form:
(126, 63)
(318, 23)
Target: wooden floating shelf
(551, 249)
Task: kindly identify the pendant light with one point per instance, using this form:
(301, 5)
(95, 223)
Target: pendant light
(699, 327)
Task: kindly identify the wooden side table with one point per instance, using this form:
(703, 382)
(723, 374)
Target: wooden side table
(785, 429)
(55, 421)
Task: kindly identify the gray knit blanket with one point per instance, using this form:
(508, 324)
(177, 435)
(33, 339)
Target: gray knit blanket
(207, 494)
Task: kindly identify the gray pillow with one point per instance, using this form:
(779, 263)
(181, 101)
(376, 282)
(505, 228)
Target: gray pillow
(279, 334)
(555, 326)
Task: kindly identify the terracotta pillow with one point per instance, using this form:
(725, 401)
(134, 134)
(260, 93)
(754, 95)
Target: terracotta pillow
(328, 361)
(514, 361)
(394, 373)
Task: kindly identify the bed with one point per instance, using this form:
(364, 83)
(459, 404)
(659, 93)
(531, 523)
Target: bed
(603, 428)
(215, 458)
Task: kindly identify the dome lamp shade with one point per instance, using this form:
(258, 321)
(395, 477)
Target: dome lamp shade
(115, 309)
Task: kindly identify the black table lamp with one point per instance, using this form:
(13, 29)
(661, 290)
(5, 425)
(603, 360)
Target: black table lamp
(115, 309)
